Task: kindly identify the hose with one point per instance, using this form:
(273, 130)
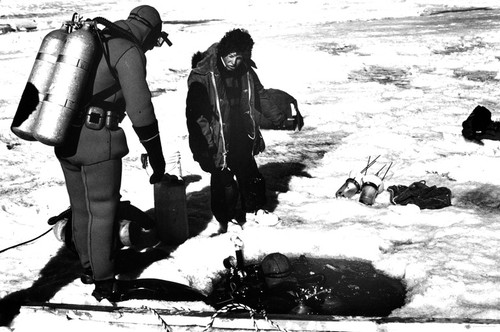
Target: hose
(26, 242)
(116, 30)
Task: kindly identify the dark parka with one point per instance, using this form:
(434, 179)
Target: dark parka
(208, 111)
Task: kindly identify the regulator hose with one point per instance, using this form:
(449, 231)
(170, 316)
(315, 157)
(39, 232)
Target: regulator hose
(116, 30)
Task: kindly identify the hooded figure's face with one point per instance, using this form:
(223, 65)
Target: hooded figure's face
(232, 61)
(148, 17)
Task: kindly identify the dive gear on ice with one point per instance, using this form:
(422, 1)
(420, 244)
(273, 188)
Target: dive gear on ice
(170, 204)
(370, 190)
(279, 111)
(350, 187)
(56, 89)
(38, 83)
(147, 288)
(63, 100)
(353, 184)
(135, 229)
(420, 194)
(373, 184)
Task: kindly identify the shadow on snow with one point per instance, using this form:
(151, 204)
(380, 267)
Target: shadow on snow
(64, 267)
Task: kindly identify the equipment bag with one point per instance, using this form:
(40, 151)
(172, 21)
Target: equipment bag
(420, 194)
(279, 111)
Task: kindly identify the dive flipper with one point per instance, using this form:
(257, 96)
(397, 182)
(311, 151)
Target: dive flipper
(156, 289)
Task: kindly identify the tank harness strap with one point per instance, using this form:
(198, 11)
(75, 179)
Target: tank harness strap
(104, 94)
(114, 31)
(117, 30)
(98, 113)
(105, 51)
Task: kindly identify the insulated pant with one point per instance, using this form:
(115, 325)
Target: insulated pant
(249, 186)
(94, 193)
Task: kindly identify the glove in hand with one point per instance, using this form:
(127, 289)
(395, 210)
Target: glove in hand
(150, 139)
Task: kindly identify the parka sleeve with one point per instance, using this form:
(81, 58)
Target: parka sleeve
(198, 110)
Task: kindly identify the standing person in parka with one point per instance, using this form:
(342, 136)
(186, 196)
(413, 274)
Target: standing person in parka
(221, 105)
(91, 158)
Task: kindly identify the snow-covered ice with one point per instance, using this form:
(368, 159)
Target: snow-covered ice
(371, 77)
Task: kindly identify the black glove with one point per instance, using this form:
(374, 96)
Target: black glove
(481, 118)
(477, 123)
(206, 160)
(149, 136)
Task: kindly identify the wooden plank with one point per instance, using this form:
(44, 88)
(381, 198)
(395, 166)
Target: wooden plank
(150, 319)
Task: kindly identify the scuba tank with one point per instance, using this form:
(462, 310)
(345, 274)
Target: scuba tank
(133, 228)
(38, 83)
(71, 73)
(372, 186)
(351, 186)
(170, 205)
(59, 80)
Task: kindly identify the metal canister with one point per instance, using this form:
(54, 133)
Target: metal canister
(350, 188)
(38, 83)
(64, 97)
(171, 210)
(372, 186)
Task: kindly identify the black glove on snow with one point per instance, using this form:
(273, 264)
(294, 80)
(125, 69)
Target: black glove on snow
(477, 122)
(149, 136)
(479, 126)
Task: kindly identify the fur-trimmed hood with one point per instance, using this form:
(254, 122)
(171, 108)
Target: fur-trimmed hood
(203, 62)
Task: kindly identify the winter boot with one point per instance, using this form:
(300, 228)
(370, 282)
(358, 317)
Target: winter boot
(107, 289)
(87, 277)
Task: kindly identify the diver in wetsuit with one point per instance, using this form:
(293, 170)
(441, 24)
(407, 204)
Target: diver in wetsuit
(91, 157)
